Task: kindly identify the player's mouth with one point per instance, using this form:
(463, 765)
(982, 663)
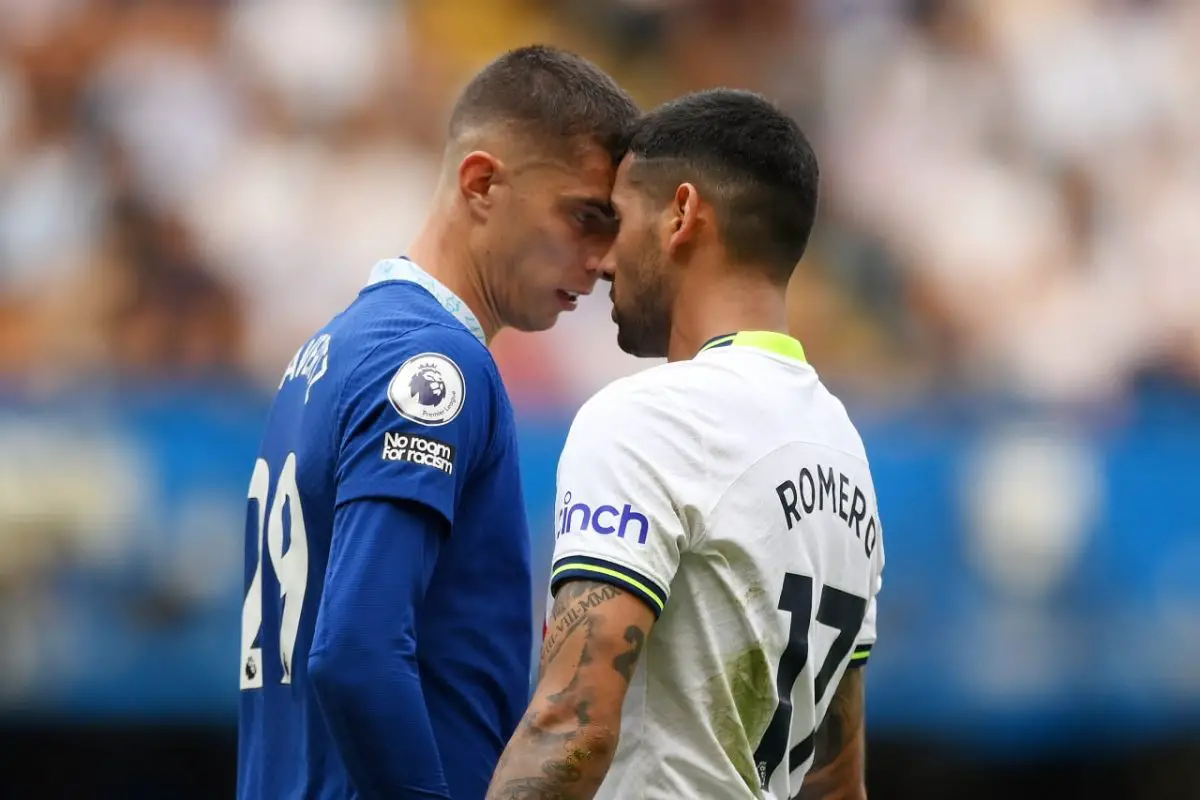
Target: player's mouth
(568, 300)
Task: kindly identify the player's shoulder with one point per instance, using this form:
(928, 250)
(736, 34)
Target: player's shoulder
(401, 322)
(771, 398)
(679, 394)
(655, 411)
(725, 412)
(395, 315)
(392, 347)
(452, 348)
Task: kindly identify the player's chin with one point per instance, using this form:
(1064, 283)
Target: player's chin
(628, 341)
(536, 322)
(637, 340)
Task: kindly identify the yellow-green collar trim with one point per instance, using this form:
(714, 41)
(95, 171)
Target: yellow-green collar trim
(772, 341)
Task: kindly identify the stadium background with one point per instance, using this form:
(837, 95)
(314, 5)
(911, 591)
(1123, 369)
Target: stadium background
(1005, 289)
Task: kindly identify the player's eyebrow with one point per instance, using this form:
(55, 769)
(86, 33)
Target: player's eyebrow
(604, 206)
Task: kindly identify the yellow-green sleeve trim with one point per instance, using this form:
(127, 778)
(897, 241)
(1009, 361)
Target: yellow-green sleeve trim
(860, 655)
(599, 569)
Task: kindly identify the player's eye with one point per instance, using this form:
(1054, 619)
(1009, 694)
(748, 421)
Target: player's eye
(592, 221)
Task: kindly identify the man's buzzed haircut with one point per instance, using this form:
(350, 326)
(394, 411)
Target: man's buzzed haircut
(547, 93)
(748, 158)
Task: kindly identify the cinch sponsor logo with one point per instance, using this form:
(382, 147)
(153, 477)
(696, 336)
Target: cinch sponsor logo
(604, 520)
(418, 450)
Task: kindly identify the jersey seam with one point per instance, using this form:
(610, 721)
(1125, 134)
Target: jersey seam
(742, 474)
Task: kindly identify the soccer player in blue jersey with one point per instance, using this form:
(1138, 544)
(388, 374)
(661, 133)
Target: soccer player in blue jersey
(386, 630)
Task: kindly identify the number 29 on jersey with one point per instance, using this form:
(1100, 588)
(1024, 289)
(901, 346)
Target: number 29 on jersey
(290, 568)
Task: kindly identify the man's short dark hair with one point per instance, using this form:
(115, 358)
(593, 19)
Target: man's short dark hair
(551, 93)
(748, 158)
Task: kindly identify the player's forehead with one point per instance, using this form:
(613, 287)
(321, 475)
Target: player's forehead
(584, 171)
(625, 189)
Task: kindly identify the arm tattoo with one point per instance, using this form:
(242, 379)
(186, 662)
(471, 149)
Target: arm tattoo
(570, 605)
(625, 662)
(558, 751)
(837, 770)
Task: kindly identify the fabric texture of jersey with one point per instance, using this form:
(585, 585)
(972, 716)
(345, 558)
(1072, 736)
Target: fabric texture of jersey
(397, 399)
(733, 495)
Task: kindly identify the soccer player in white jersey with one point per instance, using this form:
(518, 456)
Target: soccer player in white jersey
(718, 545)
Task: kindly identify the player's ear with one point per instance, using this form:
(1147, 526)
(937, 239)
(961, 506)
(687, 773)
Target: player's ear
(478, 176)
(683, 217)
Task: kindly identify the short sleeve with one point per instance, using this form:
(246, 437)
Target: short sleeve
(617, 519)
(416, 416)
(865, 640)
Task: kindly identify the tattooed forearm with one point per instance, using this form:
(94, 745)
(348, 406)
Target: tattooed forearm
(560, 780)
(563, 747)
(837, 770)
(571, 603)
(558, 739)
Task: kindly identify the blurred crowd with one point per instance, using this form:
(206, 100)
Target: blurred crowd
(1010, 211)
(1011, 189)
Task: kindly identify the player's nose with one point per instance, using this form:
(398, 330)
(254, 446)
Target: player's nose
(591, 272)
(606, 266)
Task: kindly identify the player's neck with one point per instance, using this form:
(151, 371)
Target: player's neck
(709, 306)
(441, 251)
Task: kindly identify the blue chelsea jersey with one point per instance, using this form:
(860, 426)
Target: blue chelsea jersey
(397, 398)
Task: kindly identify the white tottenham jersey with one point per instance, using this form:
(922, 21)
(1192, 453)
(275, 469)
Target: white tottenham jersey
(732, 494)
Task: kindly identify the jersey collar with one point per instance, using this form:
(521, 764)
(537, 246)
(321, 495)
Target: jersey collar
(402, 269)
(772, 341)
